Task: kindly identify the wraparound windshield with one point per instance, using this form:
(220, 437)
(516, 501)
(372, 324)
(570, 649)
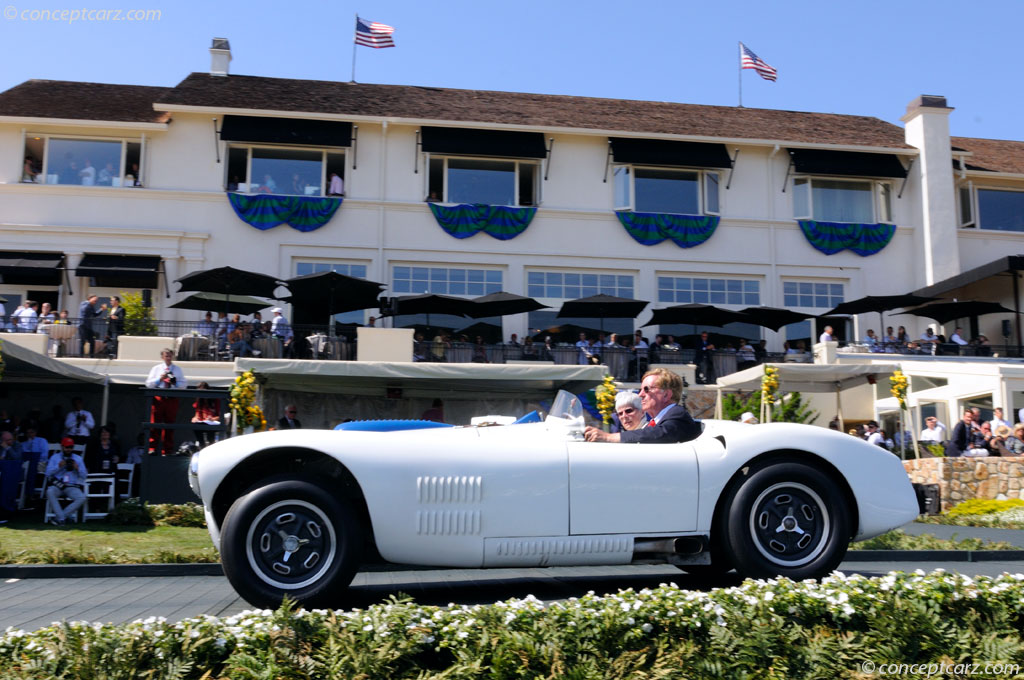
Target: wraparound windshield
(566, 406)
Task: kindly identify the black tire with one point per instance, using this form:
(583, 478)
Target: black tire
(320, 530)
(786, 518)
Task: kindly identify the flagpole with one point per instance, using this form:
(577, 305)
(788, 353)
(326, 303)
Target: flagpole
(739, 71)
(354, 50)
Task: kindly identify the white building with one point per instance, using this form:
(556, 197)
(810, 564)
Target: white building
(92, 170)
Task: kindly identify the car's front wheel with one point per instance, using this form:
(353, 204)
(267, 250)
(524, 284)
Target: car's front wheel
(290, 538)
(786, 518)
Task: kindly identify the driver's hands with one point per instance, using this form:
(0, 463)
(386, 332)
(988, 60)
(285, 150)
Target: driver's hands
(594, 434)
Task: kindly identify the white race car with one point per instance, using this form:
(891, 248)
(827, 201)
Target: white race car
(297, 512)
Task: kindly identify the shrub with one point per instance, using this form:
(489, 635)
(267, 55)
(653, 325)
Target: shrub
(897, 539)
(981, 506)
(134, 512)
(138, 318)
(777, 629)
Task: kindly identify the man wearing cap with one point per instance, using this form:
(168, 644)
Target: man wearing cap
(66, 474)
(748, 418)
(165, 376)
(280, 329)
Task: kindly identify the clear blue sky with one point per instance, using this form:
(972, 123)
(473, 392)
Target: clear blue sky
(868, 57)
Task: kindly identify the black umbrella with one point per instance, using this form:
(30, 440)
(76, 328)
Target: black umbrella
(432, 303)
(602, 307)
(488, 331)
(773, 317)
(565, 332)
(216, 302)
(696, 314)
(880, 304)
(502, 303)
(229, 281)
(333, 292)
(944, 312)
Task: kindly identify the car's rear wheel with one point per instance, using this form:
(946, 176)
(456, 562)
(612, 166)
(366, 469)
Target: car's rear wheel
(786, 518)
(290, 538)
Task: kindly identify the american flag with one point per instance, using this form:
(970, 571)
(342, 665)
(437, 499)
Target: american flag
(372, 34)
(750, 60)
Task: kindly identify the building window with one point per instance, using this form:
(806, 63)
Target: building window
(282, 171)
(82, 161)
(841, 200)
(713, 291)
(354, 270)
(445, 281)
(662, 190)
(572, 285)
(996, 209)
(478, 180)
(814, 294)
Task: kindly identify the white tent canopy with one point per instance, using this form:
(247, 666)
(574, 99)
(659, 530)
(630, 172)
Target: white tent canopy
(808, 377)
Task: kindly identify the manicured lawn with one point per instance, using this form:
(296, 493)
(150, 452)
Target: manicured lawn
(25, 542)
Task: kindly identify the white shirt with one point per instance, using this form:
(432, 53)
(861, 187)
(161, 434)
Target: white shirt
(870, 340)
(875, 438)
(957, 339)
(930, 435)
(336, 187)
(825, 337)
(157, 372)
(27, 319)
(73, 427)
(996, 422)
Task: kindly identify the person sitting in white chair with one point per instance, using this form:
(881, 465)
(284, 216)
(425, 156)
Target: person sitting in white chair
(66, 476)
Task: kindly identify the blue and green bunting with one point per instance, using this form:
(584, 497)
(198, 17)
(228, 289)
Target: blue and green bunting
(686, 231)
(499, 221)
(266, 211)
(831, 237)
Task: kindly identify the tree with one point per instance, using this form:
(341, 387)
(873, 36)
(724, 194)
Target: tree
(790, 408)
(138, 318)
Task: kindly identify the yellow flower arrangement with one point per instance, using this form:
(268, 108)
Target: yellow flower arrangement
(606, 399)
(243, 404)
(898, 387)
(770, 385)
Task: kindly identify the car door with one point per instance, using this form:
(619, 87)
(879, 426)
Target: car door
(632, 488)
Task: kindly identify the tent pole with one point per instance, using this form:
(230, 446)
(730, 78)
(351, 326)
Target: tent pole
(839, 406)
(106, 399)
(718, 404)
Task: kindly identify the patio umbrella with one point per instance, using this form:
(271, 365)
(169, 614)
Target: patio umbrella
(488, 331)
(502, 303)
(773, 317)
(216, 302)
(229, 281)
(944, 312)
(432, 303)
(880, 304)
(602, 307)
(696, 314)
(334, 292)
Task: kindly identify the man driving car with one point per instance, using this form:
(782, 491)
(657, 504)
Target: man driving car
(670, 422)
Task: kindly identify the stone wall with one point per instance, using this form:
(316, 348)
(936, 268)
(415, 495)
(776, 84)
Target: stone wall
(962, 479)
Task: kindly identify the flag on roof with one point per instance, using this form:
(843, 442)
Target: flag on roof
(372, 34)
(750, 60)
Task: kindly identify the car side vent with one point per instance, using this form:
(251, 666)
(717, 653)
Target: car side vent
(721, 438)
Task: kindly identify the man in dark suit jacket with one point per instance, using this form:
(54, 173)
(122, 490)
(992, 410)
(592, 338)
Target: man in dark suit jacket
(289, 422)
(670, 423)
(960, 439)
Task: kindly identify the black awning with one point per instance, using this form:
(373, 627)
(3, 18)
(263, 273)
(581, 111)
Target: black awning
(823, 162)
(286, 131)
(669, 152)
(131, 271)
(30, 269)
(471, 142)
(1004, 265)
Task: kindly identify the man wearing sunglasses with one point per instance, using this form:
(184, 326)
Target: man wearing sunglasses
(670, 422)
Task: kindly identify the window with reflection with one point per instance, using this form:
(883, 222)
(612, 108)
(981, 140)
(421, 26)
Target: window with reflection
(666, 190)
(477, 180)
(840, 200)
(280, 171)
(81, 161)
(705, 290)
(1001, 210)
(459, 281)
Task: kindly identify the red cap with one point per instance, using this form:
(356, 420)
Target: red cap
(67, 441)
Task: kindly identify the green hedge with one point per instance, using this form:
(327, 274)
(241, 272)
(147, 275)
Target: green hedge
(760, 629)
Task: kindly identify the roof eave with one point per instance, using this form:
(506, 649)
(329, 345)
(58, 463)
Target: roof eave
(76, 122)
(547, 129)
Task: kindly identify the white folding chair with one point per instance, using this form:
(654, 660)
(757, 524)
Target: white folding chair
(124, 481)
(99, 487)
(47, 515)
(24, 485)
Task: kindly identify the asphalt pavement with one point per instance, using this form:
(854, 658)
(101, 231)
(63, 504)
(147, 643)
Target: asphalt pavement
(36, 596)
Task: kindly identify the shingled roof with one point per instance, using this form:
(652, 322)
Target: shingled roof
(529, 110)
(992, 155)
(83, 101)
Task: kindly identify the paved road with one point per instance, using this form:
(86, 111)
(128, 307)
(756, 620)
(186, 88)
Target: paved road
(33, 603)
